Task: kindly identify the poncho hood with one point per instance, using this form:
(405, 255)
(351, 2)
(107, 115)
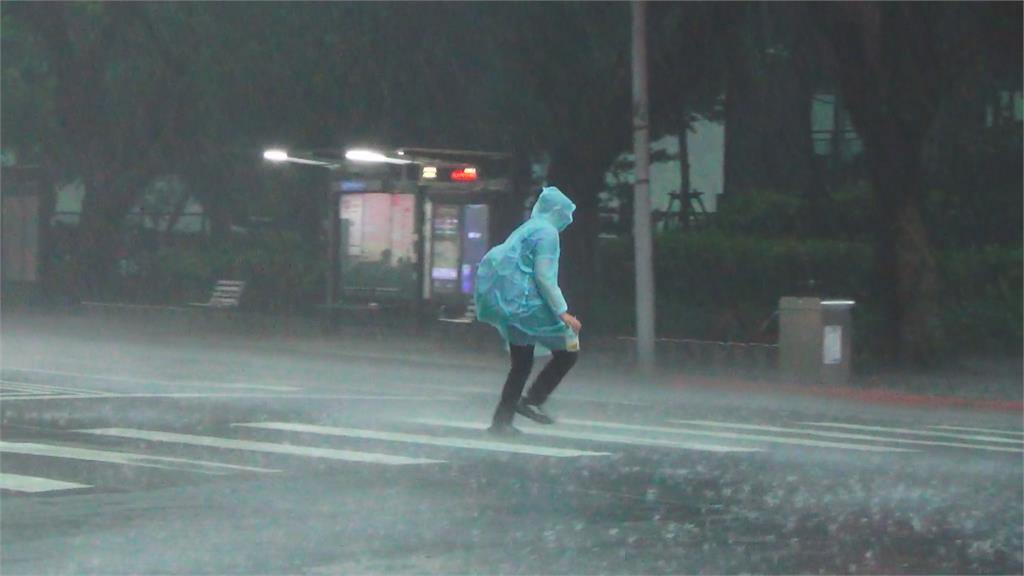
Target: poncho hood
(555, 207)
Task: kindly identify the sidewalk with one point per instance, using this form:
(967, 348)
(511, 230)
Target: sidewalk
(993, 384)
(890, 390)
(977, 384)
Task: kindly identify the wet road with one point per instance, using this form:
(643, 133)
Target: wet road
(175, 453)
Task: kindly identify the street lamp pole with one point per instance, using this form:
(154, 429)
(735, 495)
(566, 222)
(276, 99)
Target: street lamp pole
(642, 240)
(333, 225)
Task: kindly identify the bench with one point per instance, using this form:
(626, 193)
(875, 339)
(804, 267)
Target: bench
(367, 295)
(465, 329)
(468, 317)
(225, 294)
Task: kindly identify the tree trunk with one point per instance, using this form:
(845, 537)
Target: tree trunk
(96, 244)
(736, 131)
(105, 205)
(578, 172)
(684, 177)
(173, 218)
(767, 111)
(210, 175)
(906, 279)
(838, 141)
(509, 208)
(891, 98)
(803, 176)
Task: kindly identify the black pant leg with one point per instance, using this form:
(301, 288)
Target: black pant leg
(522, 364)
(561, 362)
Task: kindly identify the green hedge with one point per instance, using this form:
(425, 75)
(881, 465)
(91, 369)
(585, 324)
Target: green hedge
(717, 286)
(283, 275)
(711, 284)
(982, 306)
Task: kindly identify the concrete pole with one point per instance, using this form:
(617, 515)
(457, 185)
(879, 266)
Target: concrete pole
(641, 197)
(333, 233)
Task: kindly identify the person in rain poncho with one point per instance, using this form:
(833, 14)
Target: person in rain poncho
(517, 292)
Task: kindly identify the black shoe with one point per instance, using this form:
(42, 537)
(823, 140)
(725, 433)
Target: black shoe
(534, 412)
(504, 430)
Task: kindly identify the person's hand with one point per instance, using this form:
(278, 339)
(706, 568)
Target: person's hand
(572, 322)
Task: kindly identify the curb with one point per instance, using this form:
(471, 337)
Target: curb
(886, 396)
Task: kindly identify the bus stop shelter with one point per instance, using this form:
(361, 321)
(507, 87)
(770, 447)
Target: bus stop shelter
(409, 226)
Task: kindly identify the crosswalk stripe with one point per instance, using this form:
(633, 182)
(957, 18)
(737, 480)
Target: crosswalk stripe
(8, 386)
(126, 458)
(489, 391)
(740, 436)
(43, 388)
(846, 435)
(37, 396)
(109, 396)
(912, 432)
(5, 385)
(269, 447)
(426, 440)
(592, 436)
(145, 380)
(34, 484)
(988, 430)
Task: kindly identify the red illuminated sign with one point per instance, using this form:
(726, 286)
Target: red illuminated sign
(464, 175)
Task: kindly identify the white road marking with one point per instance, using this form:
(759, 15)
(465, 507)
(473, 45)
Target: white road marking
(145, 380)
(913, 432)
(269, 447)
(126, 458)
(844, 435)
(989, 430)
(422, 439)
(34, 484)
(5, 386)
(739, 436)
(55, 397)
(43, 388)
(238, 395)
(594, 436)
(491, 392)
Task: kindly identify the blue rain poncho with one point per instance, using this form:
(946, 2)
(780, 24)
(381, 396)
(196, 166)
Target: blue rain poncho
(517, 282)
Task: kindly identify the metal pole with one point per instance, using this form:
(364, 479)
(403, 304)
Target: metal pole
(421, 260)
(641, 197)
(333, 223)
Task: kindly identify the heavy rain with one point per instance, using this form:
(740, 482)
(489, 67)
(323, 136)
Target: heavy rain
(511, 288)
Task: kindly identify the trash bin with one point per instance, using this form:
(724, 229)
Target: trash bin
(815, 340)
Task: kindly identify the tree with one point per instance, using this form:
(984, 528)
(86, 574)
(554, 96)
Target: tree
(571, 69)
(115, 87)
(896, 64)
(771, 74)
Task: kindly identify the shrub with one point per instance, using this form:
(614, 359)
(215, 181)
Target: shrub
(716, 286)
(282, 274)
(761, 212)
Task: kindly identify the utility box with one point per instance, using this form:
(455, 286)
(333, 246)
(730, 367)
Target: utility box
(815, 340)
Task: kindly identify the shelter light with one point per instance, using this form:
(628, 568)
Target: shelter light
(365, 156)
(275, 155)
(361, 155)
